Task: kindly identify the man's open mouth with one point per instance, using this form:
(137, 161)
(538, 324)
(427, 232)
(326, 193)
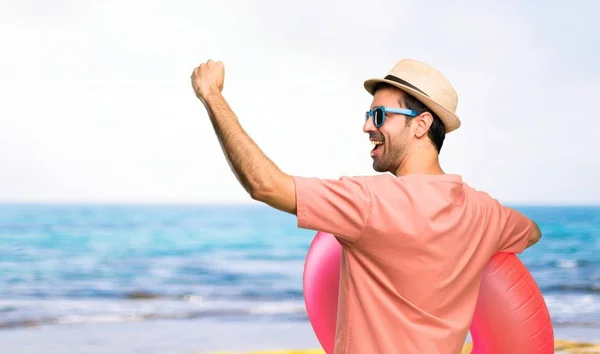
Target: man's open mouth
(377, 144)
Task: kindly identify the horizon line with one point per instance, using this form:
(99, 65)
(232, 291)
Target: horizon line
(243, 203)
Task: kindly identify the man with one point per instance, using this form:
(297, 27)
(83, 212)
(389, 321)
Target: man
(414, 241)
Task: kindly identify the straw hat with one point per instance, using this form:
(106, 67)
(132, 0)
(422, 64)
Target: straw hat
(427, 85)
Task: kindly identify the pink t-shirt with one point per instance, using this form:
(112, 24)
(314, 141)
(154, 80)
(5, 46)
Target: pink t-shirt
(414, 248)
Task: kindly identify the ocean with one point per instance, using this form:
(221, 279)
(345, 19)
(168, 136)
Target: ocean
(78, 265)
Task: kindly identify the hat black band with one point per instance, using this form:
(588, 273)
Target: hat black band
(402, 82)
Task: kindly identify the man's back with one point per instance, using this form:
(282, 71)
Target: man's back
(414, 249)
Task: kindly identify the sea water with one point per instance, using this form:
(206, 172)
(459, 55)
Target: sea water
(82, 264)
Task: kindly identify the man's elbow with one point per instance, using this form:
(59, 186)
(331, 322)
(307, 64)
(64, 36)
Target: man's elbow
(259, 193)
(279, 193)
(535, 236)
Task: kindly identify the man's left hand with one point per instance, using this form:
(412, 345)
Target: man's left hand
(208, 79)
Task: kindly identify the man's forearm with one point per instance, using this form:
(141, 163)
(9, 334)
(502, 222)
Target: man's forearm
(253, 169)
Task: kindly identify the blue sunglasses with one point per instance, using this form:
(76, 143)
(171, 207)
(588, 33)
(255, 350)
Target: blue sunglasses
(378, 114)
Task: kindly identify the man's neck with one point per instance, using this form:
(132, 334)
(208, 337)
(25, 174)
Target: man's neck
(426, 162)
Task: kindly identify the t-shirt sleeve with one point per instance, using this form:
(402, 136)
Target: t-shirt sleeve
(339, 207)
(516, 230)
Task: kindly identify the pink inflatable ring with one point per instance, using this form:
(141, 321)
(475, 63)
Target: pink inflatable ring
(511, 315)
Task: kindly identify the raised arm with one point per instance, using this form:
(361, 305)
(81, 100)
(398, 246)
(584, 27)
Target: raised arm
(340, 207)
(259, 176)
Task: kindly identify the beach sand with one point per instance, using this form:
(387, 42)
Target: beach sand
(198, 336)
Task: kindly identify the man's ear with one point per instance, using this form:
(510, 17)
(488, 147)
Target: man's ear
(424, 121)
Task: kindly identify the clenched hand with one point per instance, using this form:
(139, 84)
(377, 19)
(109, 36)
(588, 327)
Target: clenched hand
(208, 79)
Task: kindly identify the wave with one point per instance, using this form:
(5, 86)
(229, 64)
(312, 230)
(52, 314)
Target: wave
(575, 323)
(18, 314)
(90, 319)
(574, 289)
(561, 263)
(288, 294)
(565, 309)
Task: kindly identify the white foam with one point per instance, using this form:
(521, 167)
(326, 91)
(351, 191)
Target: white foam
(76, 319)
(68, 311)
(567, 263)
(574, 308)
(278, 308)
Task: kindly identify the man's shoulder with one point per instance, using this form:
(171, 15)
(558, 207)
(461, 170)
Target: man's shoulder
(386, 179)
(481, 194)
(375, 182)
(368, 178)
(484, 198)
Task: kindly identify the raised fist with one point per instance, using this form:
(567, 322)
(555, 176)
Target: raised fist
(208, 79)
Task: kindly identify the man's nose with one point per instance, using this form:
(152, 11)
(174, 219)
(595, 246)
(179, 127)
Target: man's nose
(369, 126)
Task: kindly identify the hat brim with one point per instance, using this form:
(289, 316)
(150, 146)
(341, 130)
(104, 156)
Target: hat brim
(450, 119)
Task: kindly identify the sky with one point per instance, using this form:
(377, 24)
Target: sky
(97, 106)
